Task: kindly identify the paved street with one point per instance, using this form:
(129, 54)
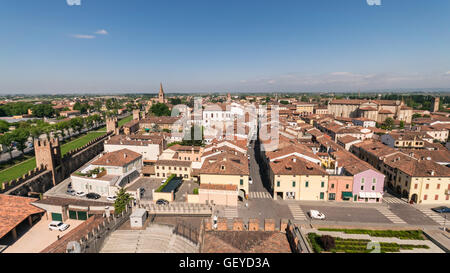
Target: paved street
(392, 211)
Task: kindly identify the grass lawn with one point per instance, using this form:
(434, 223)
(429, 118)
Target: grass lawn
(401, 234)
(22, 168)
(358, 245)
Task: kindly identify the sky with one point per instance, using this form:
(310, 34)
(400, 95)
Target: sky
(51, 47)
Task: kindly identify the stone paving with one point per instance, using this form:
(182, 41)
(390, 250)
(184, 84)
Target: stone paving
(433, 248)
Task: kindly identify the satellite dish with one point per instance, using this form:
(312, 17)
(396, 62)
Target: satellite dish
(73, 247)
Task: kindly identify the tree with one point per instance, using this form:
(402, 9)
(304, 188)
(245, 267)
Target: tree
(20, 136)
(388, 124)
(4, 126)
(402, 124)
(327, 242)
(160, 109)
(122, 200)
(82, 107)
(7, 140)
(43, 110)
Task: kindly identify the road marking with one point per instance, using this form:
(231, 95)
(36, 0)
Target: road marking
(297, 212)
(260, 194)
(437, 217)
(393, 200)
(231, 212)
(391, 216)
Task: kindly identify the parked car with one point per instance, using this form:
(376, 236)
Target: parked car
(58, 225)
(250, 181)
(80, 193)
(92, 195)
(442, 209)
(162, 202)
(71, 191)
(111, 198)
(164, 181)
(315, 214)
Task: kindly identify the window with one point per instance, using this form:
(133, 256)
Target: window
(427, 186)
(293, 183)
(278, 183)
(374, 181)
(362, 187)
(438, 186)
(425, 197)
(415, 186)
(373, 188)
(436, 197)
(322, 195)
(322, 184)
(362, 180)
(306, 184)
(332, 186)
(346, 186)
(242, 182)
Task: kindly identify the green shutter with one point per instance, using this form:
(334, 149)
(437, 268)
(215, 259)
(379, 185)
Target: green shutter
(321, 196)
(82, 215)
(56, 216)
(72, 214)
(306, 184)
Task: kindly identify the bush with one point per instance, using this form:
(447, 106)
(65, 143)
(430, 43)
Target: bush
(195, 191)
(327, 242)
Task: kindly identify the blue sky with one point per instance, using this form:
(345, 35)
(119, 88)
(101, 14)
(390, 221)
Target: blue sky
(47, 46)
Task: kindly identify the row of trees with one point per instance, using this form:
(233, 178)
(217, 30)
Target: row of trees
(34, 129)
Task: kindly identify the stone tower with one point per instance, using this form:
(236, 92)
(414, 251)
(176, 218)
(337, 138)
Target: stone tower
(48, 154)
(111, 124)
(136, 114)
(228, 97)
(435, 105)
(161, 98)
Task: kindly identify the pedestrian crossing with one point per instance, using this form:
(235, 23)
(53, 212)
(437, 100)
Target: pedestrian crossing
(231, 212)
(260, 195)
(434, 216)
(391, 216)
(297, 212)
(393, 200)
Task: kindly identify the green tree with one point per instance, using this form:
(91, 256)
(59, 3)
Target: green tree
(160, 109)
(4, 126)
(6, 140)
(20, 136)
(402, 124)
(43, 110)
(388, 124)
(122, 200)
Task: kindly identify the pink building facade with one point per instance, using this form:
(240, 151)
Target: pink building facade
(340, 188)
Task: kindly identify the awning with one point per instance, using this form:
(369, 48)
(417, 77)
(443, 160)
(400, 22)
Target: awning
(347, 194)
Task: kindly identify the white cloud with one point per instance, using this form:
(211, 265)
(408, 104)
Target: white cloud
(83, 36)
(101, 32)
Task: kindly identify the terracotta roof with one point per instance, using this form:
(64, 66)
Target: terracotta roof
(14, 210)
(293, 165)
(124, 140)
(225, 164)
(118, 158)
(416, 168)
(176, 163)
(352, 164)
(385, 111)
(292, 148)
(347, 139)
(160, 120)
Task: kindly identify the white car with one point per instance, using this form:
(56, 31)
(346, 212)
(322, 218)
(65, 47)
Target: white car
(111, 198)
(80, 193)
(58, 225)
(250, 181)
(70, 191)
(164, 181)
(315, 214)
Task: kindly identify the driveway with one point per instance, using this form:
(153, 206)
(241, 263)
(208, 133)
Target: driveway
(39, 237)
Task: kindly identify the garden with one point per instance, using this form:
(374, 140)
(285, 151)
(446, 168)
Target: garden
(400, 234)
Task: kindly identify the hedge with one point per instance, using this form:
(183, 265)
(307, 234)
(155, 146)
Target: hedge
(165, 183)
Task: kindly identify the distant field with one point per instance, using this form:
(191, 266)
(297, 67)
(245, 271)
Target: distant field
(22, 168)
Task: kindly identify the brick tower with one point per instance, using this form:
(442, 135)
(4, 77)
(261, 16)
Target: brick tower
(111, 124)
(161, 98)
(435, 105)
(48, 154)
